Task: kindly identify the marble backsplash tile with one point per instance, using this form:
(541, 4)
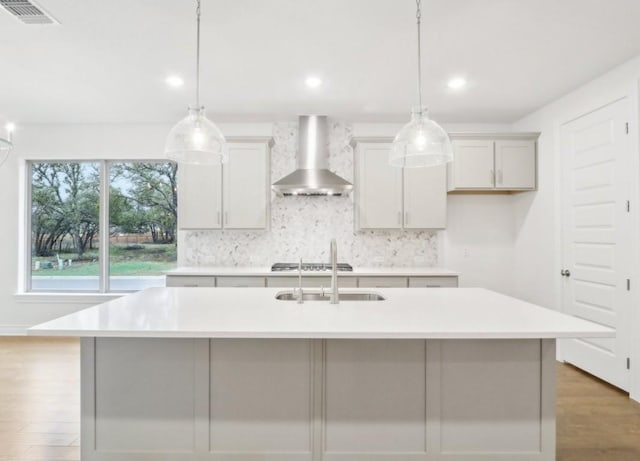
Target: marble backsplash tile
(302, 227)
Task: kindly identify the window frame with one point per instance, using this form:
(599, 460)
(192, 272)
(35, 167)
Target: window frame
(104, 278)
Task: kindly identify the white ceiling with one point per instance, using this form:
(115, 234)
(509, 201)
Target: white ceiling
(107, 60)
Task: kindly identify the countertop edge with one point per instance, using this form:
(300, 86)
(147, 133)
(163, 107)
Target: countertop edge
(34, 331)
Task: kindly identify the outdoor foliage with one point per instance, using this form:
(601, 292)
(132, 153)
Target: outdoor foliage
(65, 204)
(149, 205)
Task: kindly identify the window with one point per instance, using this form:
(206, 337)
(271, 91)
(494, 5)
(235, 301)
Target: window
(101, 226)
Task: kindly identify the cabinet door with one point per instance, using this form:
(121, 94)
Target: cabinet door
(245, 179)
(309, 282)
(190, 281)
(379, 188)
(516, 164)
(382, 282)
(425, 197)
(472, 166)
(433, 282)
(199, 197)
(236, 282)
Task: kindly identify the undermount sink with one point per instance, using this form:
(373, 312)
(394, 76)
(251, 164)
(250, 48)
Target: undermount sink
(290, 295)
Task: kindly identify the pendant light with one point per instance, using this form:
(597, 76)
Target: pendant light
(6, 144)
(421, 142)
(195, 139)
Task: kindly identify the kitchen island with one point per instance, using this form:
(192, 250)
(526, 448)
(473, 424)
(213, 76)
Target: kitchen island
(229, 374)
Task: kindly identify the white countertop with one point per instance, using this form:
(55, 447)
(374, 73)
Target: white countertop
(255, 313)
(357, 272)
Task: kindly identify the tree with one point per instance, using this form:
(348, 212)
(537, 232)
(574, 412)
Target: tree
(65, 201)
(152, 193)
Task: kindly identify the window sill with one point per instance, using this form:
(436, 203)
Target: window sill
(66, 298)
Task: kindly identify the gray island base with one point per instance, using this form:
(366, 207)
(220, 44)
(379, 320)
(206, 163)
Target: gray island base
(227, 374)
(310, 399)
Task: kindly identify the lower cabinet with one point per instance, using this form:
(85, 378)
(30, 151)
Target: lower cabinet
(240, 282)
(382, 282)
(433, 282)
(291, 281)
(309, 282)
(190, 281)
(301, 399)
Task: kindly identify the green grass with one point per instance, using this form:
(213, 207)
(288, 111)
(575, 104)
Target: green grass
(125, 260)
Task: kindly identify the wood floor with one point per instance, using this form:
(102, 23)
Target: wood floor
(40, 407)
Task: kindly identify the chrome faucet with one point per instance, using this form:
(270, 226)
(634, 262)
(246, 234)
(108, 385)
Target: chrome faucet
(300, 296)
(333, 249)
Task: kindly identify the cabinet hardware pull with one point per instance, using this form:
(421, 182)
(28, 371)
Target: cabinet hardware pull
(492, 177)
(226, 217)
(406, 218)
(499, 176)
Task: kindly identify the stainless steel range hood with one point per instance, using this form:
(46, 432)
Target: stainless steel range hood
(312, 176)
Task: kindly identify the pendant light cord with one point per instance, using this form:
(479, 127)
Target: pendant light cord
(198, 55)
(418, 21)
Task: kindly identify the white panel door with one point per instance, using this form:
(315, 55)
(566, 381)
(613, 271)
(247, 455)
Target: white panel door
(515, 162)
(597, 245)
(199, 197)
(472, 166)
(425, 197)
(379, 185)
(245, 180)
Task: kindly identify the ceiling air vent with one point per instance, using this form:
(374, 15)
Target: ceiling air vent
(27, 12)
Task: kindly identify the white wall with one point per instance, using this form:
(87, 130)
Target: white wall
(480, 224)
(109, 141)
(537, 244)
(478, 241)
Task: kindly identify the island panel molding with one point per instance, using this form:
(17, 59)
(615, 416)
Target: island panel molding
(311, 399)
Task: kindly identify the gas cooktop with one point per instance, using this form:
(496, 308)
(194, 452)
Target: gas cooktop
(282, 267)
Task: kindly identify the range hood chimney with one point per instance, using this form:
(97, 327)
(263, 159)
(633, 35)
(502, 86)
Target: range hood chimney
(312, 175)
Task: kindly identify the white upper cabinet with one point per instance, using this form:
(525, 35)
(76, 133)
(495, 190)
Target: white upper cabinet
(245, 180)
(234, 196)
(496, 162)
(379, 188)
(425, 197)
(473, 166)
(515, 164)
(199, 197)
(394, 198)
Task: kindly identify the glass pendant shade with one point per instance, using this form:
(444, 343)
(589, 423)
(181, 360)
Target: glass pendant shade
(196, 140)
(420, 143)
(5, 145)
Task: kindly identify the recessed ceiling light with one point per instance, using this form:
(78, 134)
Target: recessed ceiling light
(174, 81)
(313, 82)
(10, 127)
(457, 83)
